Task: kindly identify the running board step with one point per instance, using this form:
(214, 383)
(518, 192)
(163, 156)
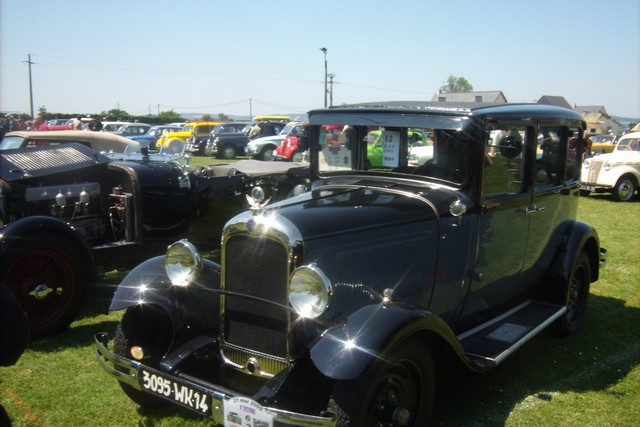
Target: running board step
(492, 342)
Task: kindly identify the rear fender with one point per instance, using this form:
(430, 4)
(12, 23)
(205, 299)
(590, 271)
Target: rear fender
(192, 309)
(345, 350)
(581, 236)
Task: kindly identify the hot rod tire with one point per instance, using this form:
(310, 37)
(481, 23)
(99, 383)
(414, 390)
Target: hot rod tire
(147, 336)
(47, 279)
(576, 295)
(624, 189)
(396, 390)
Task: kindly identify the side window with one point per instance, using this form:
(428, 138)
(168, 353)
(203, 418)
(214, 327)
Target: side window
(504, 161)
(550, 156)
(574, 156)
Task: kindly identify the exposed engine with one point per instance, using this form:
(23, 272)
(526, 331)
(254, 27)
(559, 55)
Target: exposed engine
(95, 217)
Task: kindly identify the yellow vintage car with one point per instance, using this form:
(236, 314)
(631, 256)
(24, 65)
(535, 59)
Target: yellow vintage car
(175, 142)
(601, 144)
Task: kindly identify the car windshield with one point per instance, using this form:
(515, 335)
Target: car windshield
(10, 142)
(285, 130)
(441, 152)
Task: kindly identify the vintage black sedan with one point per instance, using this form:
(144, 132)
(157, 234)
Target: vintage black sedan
(335, 307)
(68, 212)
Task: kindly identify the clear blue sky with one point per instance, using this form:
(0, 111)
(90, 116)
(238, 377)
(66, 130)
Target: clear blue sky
(213, 56)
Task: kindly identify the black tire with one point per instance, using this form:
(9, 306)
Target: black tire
(397, 389)
(227, 152)
(267, 153)
(625, 188)
(46, 276)
(585, 193)
(148, 330)
(576, 296)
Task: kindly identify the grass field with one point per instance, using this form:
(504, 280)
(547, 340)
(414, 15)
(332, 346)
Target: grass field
(589, 379)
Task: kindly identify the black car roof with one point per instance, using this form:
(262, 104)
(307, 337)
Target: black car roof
(523, 110)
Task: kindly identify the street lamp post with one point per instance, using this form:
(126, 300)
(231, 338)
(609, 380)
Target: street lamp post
(324, 51)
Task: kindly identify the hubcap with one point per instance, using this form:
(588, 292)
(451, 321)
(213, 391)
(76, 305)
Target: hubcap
(41, 291)
(624, 190)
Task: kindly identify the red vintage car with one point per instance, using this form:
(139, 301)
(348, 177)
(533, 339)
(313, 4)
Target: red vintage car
(290, 150)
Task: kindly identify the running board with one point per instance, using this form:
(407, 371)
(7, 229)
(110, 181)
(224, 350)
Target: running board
(492, 342)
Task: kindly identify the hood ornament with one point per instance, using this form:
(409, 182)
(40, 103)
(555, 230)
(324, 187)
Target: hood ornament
(256, 204)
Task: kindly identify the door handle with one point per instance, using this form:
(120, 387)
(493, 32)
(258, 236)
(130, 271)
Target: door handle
(531, 209)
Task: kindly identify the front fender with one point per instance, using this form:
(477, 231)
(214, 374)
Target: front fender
(34, 225)
(345, 350)
(194, 307)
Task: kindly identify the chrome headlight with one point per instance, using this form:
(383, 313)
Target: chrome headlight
(182, 263)
(309, 291)
(606, 165)
(586, 164)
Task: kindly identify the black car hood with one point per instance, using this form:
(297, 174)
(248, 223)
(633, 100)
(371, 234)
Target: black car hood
(33, 162)
(347, 209)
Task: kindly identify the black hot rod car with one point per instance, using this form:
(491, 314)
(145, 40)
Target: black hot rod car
(68, 212)
(334, 306)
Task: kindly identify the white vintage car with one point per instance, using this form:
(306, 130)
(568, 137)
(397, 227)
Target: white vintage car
(617, 172)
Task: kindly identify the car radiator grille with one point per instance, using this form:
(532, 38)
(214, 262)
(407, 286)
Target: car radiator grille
(255, 305)
(594, 170)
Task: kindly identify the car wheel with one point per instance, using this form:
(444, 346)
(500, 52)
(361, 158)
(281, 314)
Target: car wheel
(585, 193)
(207, 150)
(228, 152)
(624, 189)
(147, 331)
(576, 295)
(267, 154)
(396, 390)
(47, 279)
(297, 156)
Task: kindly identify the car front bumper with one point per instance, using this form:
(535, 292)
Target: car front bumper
(220, 404)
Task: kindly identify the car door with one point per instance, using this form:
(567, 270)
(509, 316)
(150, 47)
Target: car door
(503, 223)
(556, 189)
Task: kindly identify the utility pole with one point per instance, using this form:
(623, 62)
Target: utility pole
(250, 110)
(331, 82)
(28, 61)
(324, 51)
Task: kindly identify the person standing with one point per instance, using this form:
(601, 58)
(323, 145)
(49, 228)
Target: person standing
(39, 124)
(267, 129)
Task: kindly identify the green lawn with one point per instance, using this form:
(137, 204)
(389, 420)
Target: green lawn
(590, 379)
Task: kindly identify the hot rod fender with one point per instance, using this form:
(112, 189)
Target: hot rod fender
(34, 226)
(581, 236)
(345, 350)
(148, 286)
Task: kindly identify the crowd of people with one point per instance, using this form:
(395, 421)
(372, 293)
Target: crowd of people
(9, 123)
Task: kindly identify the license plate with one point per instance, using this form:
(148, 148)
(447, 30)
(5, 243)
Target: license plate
(182, 393)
